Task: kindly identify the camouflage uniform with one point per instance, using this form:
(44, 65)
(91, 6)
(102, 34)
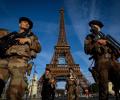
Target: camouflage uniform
(15, 66)
(105, 63)
(71, 87)
(3, 32)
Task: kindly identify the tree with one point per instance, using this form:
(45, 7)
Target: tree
(94, 88)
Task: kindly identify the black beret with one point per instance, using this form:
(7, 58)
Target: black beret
(96, 22)
(26, 19)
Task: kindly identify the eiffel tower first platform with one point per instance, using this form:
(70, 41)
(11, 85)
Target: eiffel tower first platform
(62, 59)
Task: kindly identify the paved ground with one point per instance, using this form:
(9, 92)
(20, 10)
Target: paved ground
(64, 98)
(84, 98)
(81, 98)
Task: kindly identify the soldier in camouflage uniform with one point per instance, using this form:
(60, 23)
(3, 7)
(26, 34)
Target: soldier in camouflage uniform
(15, 65)
(3, 32)
(104, 57)
(71, 85)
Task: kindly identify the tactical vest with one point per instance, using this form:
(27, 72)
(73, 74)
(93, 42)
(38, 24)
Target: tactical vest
(96, 50)
(25, 50)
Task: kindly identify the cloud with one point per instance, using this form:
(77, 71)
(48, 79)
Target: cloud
(84, 63)
(81, 55)
(113, 30)
(46, 27)
(94, 12)
(42, 59)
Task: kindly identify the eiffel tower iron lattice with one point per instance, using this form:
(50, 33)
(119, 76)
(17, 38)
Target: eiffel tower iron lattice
(62, 58)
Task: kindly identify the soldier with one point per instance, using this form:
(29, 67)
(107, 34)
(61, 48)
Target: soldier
(46, 81)
(17, 57)
(3, 32)
(71, 85)
(104, 57)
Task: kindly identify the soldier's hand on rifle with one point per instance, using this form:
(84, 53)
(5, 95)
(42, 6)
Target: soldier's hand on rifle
(102, 41)
(24, 40)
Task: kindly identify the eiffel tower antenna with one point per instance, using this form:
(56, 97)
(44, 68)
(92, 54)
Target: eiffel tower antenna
(62, 34)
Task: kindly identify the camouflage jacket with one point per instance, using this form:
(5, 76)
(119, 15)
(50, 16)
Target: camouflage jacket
(94, 49)
(91, 46)
(71, 81)
(25, 50)
(35, 46)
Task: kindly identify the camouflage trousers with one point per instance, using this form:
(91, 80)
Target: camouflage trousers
(106, 69)
(14, 68)
(72, 95)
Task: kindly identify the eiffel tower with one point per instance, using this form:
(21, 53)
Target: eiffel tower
(62, 59)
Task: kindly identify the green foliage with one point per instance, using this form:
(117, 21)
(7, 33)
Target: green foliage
(94, 88)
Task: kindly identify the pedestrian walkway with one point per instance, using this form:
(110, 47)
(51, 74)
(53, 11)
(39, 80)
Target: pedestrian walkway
(65, 98)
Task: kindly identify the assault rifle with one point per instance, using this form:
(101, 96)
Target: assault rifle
(110, 40)
(10, 39)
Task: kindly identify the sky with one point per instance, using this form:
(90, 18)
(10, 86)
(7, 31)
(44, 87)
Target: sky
(45, 16)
